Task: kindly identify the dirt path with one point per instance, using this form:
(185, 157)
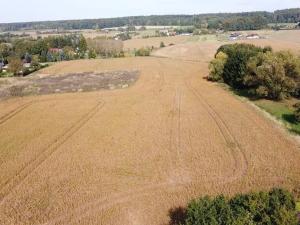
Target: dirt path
(172, 136)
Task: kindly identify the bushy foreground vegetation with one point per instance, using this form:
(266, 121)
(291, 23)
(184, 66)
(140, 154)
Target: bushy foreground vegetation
(276, 207)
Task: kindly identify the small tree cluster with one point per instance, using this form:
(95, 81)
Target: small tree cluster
(216, 67)
(262, 72)
(143, 52)
(273, 75)
(276, 207)
(15, 65)
(105, 47)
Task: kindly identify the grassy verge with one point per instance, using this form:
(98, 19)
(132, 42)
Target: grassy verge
(6, 74)
(282, 111)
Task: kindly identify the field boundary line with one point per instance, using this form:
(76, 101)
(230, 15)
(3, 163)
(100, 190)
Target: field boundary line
(9, 186)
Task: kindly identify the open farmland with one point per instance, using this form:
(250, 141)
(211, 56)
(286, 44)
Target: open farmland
(154, 41)
(279, 40)
(130, 155)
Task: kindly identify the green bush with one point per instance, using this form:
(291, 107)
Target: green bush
(235, 67)
(297, 112)
(276, 207)
(260, 71)
(162, 45)
(143, 52)
(272, 75)
(216, 67)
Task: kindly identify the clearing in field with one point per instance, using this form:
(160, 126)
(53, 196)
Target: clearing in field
(130, 155)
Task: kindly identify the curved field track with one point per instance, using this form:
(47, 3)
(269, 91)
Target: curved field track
(128, 156)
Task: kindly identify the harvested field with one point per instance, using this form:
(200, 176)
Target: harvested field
(129, 156)
(280, 40)
(155, 42)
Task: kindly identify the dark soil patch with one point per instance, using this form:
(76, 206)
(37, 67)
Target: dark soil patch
(80, 82)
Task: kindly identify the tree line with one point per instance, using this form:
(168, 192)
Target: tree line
(16, 52)
(228, 21)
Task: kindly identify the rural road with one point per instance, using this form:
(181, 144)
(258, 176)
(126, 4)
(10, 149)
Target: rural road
(129, 156)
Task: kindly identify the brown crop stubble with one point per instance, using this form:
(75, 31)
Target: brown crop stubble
(154, 146)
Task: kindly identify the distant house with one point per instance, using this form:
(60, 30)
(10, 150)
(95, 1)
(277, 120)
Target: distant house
(55, 50)
(172, 33)
(26, 65)
(253, 36)
(186, 34)
(5, 68)
(164, 32)
(235, 36)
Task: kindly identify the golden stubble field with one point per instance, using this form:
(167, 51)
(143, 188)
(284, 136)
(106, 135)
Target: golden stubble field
(129, 156)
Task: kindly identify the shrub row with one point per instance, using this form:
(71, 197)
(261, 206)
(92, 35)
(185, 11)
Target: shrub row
(276, 207)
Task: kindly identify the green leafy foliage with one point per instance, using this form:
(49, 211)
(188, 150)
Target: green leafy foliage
(235, 68)
(216, 67)
(143, 52)
(276, 207)
(260, 71)
(297, 112)
(15, 65)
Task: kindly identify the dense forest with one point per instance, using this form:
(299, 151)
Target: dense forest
(227, 21)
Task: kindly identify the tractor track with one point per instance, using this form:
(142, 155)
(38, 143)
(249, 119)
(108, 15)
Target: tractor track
(232, 143)
(13, 183)
(14, 112)
(108, 202)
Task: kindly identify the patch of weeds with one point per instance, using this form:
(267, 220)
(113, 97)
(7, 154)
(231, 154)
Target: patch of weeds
(16, 91)
(6, 74)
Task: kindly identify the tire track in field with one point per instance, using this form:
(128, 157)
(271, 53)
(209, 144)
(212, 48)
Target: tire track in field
(21, 108)
(104, 203)
(241, 163)
(175, 137)
(49, 150)
(232, 143)
(15, 112)
(99, 204)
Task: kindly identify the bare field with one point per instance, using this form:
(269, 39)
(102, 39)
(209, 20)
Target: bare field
(280, 40)
(155, 42)
(129, 156)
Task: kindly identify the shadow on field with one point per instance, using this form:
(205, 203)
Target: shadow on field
(290, 118)
(177, 216)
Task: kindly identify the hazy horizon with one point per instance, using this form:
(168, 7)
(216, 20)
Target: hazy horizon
(33, 10)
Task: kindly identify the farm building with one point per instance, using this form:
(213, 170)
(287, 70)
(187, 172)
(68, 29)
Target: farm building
(55, 50)
(235, 36)
(253, 36)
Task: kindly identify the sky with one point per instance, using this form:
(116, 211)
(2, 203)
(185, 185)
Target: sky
(41, 10)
